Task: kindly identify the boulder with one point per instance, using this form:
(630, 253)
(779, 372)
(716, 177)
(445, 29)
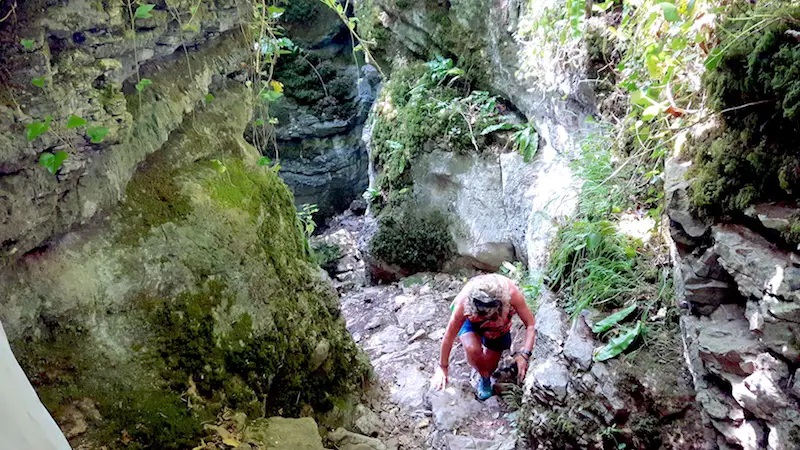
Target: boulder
(346, 440)
(758, 266)
(729, 348)
(579, 346)
(469, 189)
(279, 433)
(410, 388)
(366, 421)
(551, 327)
(550, 378)
(773, 216)
(198, 282)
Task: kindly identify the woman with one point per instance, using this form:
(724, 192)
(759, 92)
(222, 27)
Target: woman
(481, 318)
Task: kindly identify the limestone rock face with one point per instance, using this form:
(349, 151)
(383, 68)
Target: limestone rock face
(169, 278)
(87, 54)
(740, 329)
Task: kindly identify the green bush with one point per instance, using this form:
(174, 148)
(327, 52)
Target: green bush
(416, 240)
(326, 255)
(757, 87)
(301, 11)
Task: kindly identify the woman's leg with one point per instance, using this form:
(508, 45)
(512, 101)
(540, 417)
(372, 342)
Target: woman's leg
(491, 359)
(475, 352)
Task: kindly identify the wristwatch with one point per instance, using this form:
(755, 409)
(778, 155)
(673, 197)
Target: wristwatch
(525, 354)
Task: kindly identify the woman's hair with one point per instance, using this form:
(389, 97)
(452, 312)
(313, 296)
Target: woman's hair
(484, 289)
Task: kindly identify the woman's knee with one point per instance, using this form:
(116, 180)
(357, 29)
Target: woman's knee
(473, 348)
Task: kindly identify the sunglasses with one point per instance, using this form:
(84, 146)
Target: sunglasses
(485, 307)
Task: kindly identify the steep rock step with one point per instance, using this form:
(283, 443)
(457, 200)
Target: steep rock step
(400, 326)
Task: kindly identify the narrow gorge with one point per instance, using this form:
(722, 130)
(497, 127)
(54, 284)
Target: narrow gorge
(243, 224)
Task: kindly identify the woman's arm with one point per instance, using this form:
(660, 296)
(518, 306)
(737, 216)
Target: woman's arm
(453, 326)
(457, 319)
(519, 305)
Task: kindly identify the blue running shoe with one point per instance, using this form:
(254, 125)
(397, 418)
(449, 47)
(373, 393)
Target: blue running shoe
(484, 388)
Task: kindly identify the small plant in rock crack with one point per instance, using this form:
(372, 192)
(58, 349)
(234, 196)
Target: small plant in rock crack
(52, 162)
(142, 84)
(371, 194)
(525, 137)
(441, 68)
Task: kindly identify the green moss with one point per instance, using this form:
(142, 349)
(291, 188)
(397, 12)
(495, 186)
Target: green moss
(413, 238)
(419, 113)
(153, 198)
(792, 233)
(754, 158)
(330, 97)
(68, 367)
(234, 323)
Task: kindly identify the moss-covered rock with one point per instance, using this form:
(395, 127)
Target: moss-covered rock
(420, 109)
(756, 87)
(195, 294)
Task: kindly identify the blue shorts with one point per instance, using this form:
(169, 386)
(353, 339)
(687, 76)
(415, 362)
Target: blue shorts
(498, 345)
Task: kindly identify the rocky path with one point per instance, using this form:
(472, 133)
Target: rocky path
(400, 326)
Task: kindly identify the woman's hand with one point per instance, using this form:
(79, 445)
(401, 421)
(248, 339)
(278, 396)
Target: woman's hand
(439, 380)
(522, 367)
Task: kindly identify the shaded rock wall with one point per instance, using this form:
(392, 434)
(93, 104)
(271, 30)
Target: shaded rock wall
(321, 117)
(138, 320)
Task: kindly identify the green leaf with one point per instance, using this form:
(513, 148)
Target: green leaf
(713, 59)
(39, 82)
(37, 128)
(670, 12)
(143, 11)
(143, 83)
(275, 12)
(270, 96)
(264, 161)
(75, 122)
(606, 324)
(28, 44)
(259, 122)
(497, 127)
(96, 134)
(193, 10)
(209, 98)
(651, 111)
(618, 344)
(602, 7)
(53, 162)
(358, 48)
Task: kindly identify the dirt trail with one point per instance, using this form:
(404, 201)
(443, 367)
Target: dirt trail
(400, 326)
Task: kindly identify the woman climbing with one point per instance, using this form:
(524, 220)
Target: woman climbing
(481, 318)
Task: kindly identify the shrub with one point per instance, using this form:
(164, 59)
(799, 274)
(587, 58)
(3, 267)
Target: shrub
(326, 255)
(416, 240)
